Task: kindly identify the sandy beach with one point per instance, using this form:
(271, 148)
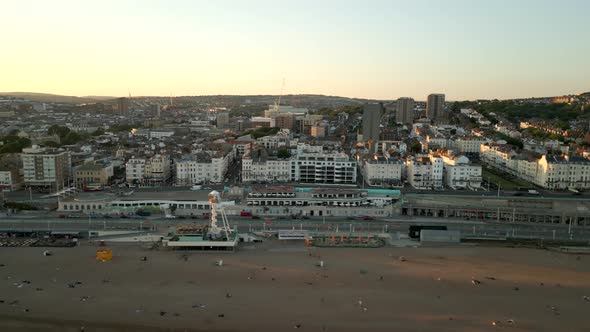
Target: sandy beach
(277, 287)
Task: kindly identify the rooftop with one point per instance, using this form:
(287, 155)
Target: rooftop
(335, 191)
(279, 189)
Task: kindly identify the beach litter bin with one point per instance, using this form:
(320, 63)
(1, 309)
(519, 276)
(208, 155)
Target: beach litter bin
(104, 255)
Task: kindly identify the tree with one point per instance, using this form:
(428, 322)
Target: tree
(14, 144)
(98, 132)
(58, 130)
(283, 154)
(51, 144)
(71, 138)
(416, 147)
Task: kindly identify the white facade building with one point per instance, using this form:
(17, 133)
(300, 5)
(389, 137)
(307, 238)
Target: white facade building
(207, 166)
(425, 172)
(7, 181)
(499, 156)
(563, 172)
(157, 168)
(281, 140)
(337, 168)
(135, 169)
(467, 144)
(460, 174)
(265, 170)
(382, 171)
(161, 133)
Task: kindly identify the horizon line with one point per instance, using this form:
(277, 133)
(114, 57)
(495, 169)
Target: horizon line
(261, 94)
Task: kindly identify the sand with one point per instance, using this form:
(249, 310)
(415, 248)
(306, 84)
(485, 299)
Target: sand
(277, 287)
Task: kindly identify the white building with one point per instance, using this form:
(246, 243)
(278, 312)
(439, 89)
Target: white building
(281, 139)
(7, 181)
(262, 168)
(157, 169)
(309, 164)
(306, 148)
(438, 141)
(499, 156)
(425, 171)
(386, 147)
(157, 134)
(135, 169)
(467, 144)
(563, 172)
(459, 173)
(206, 166)
(337, 168)
(382, 171)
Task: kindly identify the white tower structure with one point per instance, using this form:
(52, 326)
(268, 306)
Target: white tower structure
(214, 229)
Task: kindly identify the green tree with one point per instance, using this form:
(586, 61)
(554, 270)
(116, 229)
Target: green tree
(14, 144)
(98, 132)
(58, 130)
(71, 138)
(283, 153)
(51, 144)
(416, 147)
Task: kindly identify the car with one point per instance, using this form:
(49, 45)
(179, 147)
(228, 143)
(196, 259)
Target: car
(368, 218)
(73, 216)
(61, 215)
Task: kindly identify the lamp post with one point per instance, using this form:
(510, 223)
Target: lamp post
(89, 224)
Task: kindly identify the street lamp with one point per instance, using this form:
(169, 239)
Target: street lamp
(89, 224)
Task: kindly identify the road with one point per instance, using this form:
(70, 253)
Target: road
(475, 229)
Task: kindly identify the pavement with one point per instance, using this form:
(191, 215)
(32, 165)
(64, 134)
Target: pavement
(471, 228)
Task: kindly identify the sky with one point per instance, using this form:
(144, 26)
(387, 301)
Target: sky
(467, 49)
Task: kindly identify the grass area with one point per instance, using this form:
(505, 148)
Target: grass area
(507, 182)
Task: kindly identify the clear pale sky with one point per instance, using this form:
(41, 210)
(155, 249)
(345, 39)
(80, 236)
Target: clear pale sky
(373, 49)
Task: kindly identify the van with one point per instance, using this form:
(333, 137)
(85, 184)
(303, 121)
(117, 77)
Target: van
(196, 187)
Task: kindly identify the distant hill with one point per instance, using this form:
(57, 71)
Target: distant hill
(51, 98)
